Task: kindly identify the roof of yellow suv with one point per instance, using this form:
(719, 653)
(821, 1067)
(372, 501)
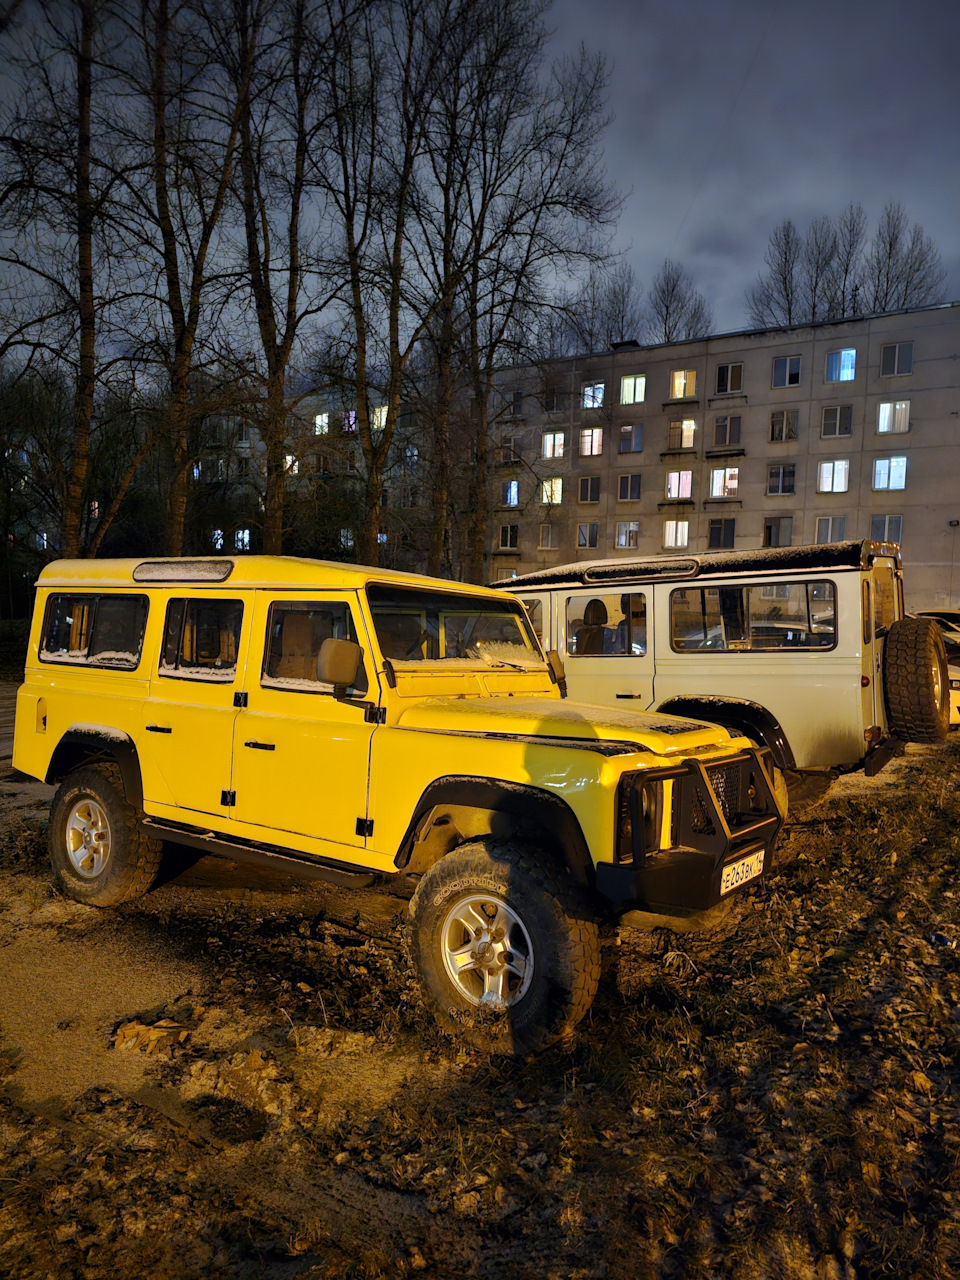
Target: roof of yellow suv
(295, 572)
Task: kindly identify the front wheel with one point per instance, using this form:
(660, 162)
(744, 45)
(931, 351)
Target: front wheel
(505, 947)
(98, 851)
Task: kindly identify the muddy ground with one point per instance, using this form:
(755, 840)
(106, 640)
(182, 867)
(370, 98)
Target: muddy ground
(234, 1077)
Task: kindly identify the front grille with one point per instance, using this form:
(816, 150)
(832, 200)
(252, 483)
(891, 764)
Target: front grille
(725, 780)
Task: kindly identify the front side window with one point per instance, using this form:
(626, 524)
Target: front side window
(413, 625)
(629, 488)
(782, 478)
(679, 484)
(94, 630)
(682, 433)
(831, 528)
(837, 420)
(509, 537)
(841, 365)
(613, 626)
(757, 617)
(886, 528)
(724, 482)
(833, 477)
(589, 488)
(676, 533)
(633, 388)
(551, 491)
(588, 535)
(631, 439)
(786, 371)
(628, 533)
(721, 534)
(201, 638)
(683, 384)
(726, 431)
(893, 416)
(591, 441)
(296, 629)
(592, 395)
(890, 473)
(729, 378)
(783, 425)
(896, 360)
(551, 444)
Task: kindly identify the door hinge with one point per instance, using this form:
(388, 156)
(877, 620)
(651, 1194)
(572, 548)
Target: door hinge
(375, 715)
(364, 826)
(240, 699)
(228, 799)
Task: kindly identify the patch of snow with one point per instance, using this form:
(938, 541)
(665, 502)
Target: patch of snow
(100, 731)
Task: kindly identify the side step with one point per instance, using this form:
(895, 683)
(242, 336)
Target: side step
(346, 875)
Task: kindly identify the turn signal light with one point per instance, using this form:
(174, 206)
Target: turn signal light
(864, 682)
(872, 734)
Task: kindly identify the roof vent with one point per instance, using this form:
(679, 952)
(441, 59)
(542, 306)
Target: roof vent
(183, 571)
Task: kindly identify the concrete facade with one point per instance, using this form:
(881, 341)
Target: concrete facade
(779, 437)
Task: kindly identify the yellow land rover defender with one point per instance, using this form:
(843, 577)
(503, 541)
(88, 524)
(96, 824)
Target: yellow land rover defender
(346, 723)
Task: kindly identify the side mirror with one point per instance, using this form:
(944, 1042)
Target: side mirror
(557, 673)
(338, 663)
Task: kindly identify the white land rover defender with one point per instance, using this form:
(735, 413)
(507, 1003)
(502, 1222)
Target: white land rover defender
(806, 650)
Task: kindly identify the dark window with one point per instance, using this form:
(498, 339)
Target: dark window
(781, 478)
(726, 431)
(837, 420)
(516, 405)
(631, 439)
(589, 488)
(729, 378)
(721, 533)
(786, 371)
(778, 531)
(201, 638)
(587, 535)
(886, 528)
(896, 359)
(95, 630)
(783, 425)
(630, 487)
(509, 537)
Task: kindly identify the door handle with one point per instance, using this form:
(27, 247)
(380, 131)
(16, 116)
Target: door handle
(159, 728)
(629, 695)
(261, 746)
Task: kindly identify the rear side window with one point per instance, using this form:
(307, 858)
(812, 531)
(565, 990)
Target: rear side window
(758, 617)
(94, 629)
(295, 632)
(201, 639)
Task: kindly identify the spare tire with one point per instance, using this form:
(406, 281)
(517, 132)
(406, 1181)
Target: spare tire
(915, 681)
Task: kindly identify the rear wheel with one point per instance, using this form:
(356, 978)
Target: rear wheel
(915, 681)
(98, 851)
(505, 947)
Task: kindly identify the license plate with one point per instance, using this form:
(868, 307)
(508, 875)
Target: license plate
(739, 873)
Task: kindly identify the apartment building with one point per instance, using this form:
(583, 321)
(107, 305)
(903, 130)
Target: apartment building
(812, 433)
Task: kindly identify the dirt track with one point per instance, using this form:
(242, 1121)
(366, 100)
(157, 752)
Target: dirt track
(234, 1078)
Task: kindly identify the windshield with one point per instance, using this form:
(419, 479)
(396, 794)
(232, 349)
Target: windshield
(414, 625)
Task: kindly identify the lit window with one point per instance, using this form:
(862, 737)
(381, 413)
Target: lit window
(321, 424)
(631, 439)
(504, 575)
(350, 420)
(290, 465)
(630, 487)
(724, 482)
(837, 420)
(831, 528)
(411, 455)
(510, 493)
(197, 471)
(781, 478)
(547, 538)
(721, 534)
(95, 505)
(729, 378)
(592, 395)
(241, 540)
(893, 416)
(783, 425)
(378, 419)
(591, 441)
(381, 537)
(679, 484)
(682, 434)
(777, 531)
(628, 533)
(726, 431)
(216, 539)
(832, 477)
(633, 388)
(587, 535)
(683, 384)
(786, 371)
(676, 533)
(886, 528)
(890, 473)
(346, 539)
(589, 488)
(841, 365)
(509, 537)
(551, 444)
(896, 360)
(551, 491)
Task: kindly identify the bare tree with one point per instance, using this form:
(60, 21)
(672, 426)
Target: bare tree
(775, 299)
(607, 308)
(902, 267)
(846, 274)
(675, 310)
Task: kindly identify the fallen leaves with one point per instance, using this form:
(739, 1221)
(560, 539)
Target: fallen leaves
(162, 1038)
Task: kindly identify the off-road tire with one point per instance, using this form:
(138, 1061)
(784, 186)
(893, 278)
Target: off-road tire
(559, 923)
(915, 681)
(132, 858)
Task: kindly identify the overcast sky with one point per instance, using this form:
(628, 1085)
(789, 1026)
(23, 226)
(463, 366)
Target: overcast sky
(733, 114)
